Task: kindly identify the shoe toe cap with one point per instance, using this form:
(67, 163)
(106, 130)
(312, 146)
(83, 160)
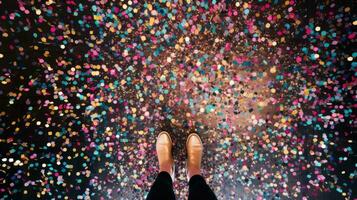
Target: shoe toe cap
(163, 139)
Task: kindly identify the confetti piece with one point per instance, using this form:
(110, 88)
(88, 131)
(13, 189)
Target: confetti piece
(86, 88)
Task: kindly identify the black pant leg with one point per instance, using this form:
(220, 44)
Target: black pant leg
(199, 189)
(162, 188)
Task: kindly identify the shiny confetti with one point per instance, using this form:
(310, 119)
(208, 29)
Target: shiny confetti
(86, 86)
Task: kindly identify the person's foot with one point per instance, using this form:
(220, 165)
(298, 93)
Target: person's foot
(194, 148)
(164, 154)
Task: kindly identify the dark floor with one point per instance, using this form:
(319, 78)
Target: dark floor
(86, 86)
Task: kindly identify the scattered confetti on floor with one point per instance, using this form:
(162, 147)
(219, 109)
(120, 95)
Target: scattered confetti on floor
(86, 86)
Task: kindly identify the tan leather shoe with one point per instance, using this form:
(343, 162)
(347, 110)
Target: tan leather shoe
(194, 148)
(164, 153)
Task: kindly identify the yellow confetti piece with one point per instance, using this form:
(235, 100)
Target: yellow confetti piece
(97, 17)
(95, 73)
(283, 120)
(151, 21)
(262, 104)
(286, 152)
(273, 70)
(180, 40)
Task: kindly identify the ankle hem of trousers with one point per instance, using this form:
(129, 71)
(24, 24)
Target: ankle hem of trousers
(165, 175)
(195, 179)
